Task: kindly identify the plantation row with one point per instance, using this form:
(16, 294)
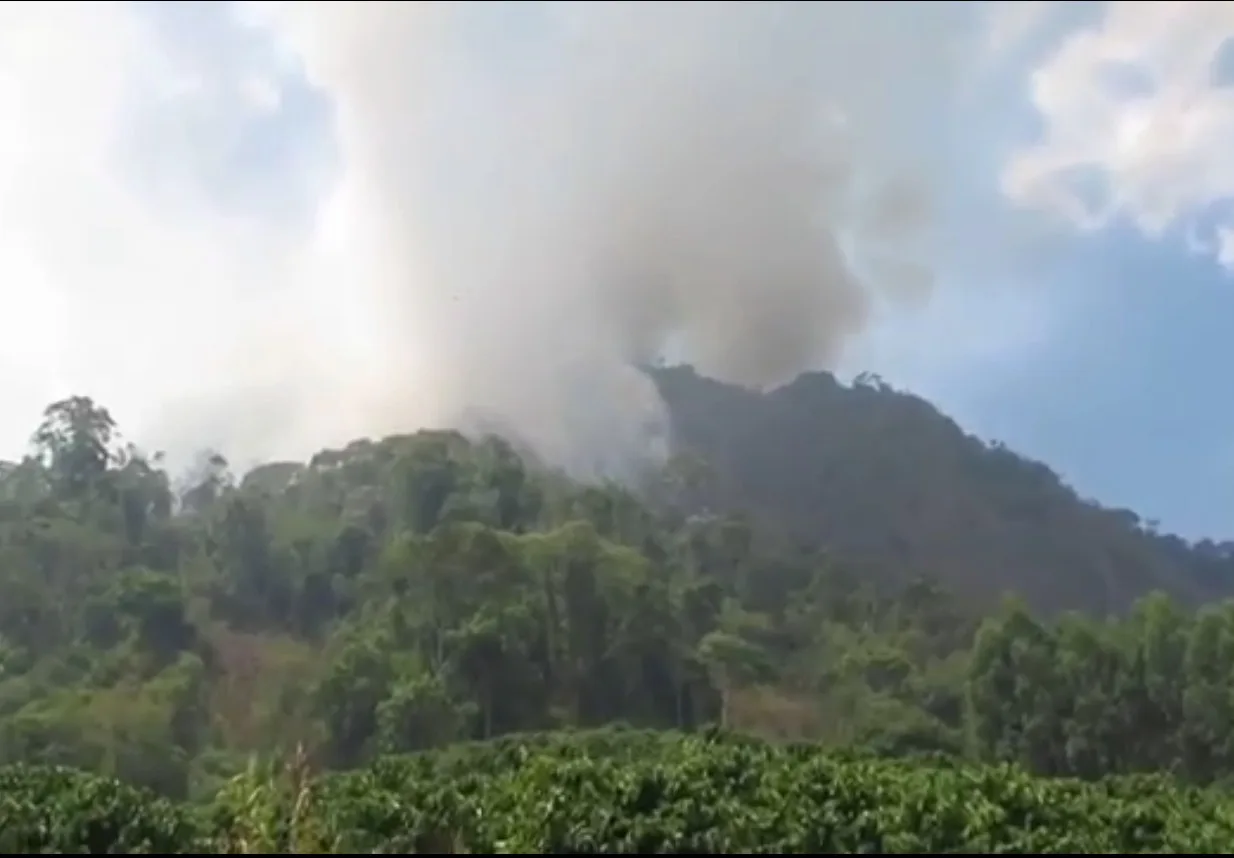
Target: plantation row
(620, 793)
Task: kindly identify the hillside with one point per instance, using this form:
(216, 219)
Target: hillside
(420, 590)
(884, 479)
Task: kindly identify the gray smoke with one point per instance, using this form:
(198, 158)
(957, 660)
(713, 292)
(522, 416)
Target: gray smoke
(547, 193)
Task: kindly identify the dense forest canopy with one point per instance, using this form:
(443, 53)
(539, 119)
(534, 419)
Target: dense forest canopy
(820, 562)
(882, 476)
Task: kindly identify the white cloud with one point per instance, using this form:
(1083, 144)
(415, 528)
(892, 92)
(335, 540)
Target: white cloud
(122, 276)
(1136, 124)
(262, 93)
(1009, 24)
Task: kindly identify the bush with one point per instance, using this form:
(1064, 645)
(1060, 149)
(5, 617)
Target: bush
(51, 810)
(627, 792)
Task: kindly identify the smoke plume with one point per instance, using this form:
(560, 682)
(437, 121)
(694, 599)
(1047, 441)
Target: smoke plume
(529, 199)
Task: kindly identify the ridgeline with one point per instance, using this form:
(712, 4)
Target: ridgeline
(839, 568)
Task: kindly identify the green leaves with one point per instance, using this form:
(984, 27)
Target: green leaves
(623, 792)
(645, 793)
(58, 811)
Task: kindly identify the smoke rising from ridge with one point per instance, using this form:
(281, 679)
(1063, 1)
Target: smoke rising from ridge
(719, 179)
(529, 198)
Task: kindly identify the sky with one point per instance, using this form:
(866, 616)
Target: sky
(271, 227)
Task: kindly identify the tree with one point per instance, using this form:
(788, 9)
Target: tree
(75, 442)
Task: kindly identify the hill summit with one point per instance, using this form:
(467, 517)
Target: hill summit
(883, 478)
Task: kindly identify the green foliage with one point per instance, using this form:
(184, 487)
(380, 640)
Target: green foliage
(47, 811)
(433, 590)
(879, 474)
(622, 792)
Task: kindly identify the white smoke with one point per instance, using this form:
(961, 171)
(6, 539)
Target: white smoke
(528, 199)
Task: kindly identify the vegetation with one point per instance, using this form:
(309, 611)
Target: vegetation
(882, 477)
(396, 596)
(630, 793)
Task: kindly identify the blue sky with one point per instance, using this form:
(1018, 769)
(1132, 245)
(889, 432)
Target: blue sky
(204, 214)
(1121, 392)
(1125, 397)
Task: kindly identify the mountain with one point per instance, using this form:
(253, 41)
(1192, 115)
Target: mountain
(883, 478)
(404, 593)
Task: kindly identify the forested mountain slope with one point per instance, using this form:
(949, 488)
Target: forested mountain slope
(883, 478)
(423, 589)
